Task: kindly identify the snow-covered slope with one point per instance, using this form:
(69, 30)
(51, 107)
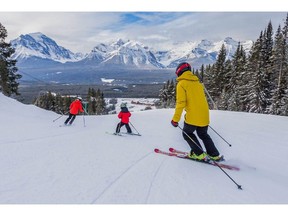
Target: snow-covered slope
(41, 162)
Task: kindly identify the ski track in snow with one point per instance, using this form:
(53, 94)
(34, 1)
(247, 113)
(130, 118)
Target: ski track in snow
(119, 177)
(153, 179)
(35, 139)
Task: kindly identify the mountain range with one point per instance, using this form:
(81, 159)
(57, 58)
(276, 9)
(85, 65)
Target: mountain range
(41, 57)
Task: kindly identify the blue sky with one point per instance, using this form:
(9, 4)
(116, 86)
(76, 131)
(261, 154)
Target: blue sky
(81, 30)
(150, 18)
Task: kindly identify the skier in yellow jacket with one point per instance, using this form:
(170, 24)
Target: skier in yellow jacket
(190, 96)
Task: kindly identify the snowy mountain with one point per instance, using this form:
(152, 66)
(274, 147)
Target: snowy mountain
(133, 53)
(42, 163)
(198, 53)
(40, 58)
(125, 53)
(38, 45)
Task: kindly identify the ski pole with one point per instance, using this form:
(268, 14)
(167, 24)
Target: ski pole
(238, 186)
(214, 104)
(84, 108)
(84, 120)
(134, 127)
(59, 117)
(220, 136)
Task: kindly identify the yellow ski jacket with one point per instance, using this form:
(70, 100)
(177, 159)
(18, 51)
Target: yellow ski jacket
(190, 96)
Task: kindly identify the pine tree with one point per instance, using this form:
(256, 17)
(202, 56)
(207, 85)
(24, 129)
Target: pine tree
(237, 82)
(258, 98)
(267, 55)
(217, 75)
(284, 108)
(8, 70)
(167, 95)
(96, 102)
(91, 100)
(227, 91)
(278, 64)
(100, 103)
(252, 69)
(163, 95)
(171, 92)
(208, 83)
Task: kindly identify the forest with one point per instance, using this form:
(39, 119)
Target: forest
(249, 82)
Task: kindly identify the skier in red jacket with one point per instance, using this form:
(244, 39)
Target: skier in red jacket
(75, 108)
(124, 115)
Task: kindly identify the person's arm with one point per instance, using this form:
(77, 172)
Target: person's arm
(180, 103)
(120, 115)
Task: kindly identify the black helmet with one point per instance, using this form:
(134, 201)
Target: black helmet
(182, 67)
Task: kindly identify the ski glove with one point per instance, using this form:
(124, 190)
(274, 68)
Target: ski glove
(175, 124)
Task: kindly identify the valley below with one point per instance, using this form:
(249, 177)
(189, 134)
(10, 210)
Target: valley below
(28, 91)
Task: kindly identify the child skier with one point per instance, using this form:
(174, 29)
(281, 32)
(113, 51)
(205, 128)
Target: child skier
(124, 115)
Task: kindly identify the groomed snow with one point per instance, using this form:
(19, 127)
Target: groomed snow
(42, 163)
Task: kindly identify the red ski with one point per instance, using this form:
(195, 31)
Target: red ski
(184, 155)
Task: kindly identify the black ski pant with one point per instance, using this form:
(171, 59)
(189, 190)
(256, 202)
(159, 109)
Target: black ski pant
(71, 118)
(120, 124)
(203, 135)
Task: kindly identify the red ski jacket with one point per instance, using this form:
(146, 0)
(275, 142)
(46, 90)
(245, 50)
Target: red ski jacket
(124, 116)
(75, 107)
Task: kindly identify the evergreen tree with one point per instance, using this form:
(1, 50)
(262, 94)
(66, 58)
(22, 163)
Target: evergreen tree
(96, 102)
(8, 70)
(91, 100)
(227, 91)
(163, 95)
(208, 84)
(171, 94)
(284, 71)
(237, 82)
(260, 83)
(278, 71)
(252, 67)
(267, 55)
(167, 95)
(217, 75)
(100, 103)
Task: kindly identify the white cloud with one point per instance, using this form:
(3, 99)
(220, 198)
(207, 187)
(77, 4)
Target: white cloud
(81, 31)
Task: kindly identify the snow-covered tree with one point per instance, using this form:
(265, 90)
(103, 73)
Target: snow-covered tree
(8, 69)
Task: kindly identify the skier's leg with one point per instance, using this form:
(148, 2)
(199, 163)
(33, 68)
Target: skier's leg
(68, 119)
(128, 128)
(189, 130)
(119, 125)
(207, 141)
(72, 119)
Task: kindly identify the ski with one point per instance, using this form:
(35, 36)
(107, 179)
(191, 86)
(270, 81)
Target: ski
(115, 134)
(132, 134)
(123, 134)
(63, 125)
(184, 155)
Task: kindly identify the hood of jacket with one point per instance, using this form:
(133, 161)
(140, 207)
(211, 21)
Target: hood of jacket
(188, 75)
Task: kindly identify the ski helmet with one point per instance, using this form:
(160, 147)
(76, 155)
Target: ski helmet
(123, 105)
(182, 67)
(79, 98)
